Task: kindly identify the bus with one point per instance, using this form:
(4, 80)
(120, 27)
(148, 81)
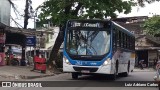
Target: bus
(98, 47)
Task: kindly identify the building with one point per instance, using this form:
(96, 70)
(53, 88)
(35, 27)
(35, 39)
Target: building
(5, 12)
(147, 47)
(46, 40)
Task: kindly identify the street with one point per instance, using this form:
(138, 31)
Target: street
(93, 81)
(134, 76)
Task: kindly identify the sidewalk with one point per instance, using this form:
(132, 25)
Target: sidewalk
(144, 70)
(21, 72)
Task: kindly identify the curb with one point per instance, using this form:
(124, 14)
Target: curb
(144, 70)
(18, 77)
(33, 77)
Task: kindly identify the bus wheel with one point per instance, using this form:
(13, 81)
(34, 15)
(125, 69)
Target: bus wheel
(74, 75)
(114, 76)
(125, 74)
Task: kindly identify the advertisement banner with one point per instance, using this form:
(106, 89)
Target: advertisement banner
(2, 38)
(2, 56)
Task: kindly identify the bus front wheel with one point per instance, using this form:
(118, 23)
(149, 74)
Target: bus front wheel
(74, 75)
(114, 76)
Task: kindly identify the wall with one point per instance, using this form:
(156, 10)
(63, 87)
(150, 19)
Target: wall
(152, 54)
(52, 40)
(5, 9)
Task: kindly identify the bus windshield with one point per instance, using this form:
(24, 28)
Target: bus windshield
(88, 42)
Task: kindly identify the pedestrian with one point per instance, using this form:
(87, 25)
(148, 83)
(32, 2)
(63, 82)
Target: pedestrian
(155, 61)
(141, 64)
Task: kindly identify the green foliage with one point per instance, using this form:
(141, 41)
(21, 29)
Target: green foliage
(142, 2)
(152, 25)
(59, 11)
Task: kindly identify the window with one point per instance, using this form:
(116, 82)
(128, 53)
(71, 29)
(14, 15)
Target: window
(118, 38)
(114, 38)
(128, 42)
(122, 40)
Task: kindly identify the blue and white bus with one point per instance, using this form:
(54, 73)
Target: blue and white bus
(98, 47)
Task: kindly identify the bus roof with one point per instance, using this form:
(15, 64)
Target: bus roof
(124, 29)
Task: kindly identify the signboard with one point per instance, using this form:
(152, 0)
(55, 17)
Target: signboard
(31, 41)
(91, 24)
(2, 56)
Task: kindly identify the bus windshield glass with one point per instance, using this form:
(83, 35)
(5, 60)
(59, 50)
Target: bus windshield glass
(93, 42)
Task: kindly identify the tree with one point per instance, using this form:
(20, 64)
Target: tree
(152, 26)
(60, 11)
(142, 2)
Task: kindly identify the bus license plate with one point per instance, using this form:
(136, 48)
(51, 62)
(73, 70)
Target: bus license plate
(85, 71)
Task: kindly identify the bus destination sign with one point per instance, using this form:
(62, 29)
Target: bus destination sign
(93, 25)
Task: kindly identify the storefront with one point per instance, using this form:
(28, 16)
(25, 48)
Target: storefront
(150, 55)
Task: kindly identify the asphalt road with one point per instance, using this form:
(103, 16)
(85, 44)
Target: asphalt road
(133, 76)
(93, 82)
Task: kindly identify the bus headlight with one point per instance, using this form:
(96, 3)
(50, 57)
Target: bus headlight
(66, 60)
(107, 61)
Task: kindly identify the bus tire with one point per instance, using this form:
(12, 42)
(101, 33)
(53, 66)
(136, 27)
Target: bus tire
(125, 74)
(114, 76)
(74, 75)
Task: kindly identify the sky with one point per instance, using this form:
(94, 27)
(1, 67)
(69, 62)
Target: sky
(148, 10)
(20, 5)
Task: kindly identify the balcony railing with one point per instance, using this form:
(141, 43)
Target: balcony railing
(154, 39)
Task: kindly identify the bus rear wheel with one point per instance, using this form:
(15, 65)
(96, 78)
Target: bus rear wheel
(74, 75)
(125, 74)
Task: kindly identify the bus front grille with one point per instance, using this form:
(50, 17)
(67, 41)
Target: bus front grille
(85, 68)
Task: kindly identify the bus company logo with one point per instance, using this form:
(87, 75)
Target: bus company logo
(6, 84)
(78, 63)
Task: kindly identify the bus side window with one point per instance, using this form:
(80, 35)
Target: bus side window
(120, 39)
(114, 38)
(133, 43)
(124, 40)
(130, 42)
(117, 37)
(127, 42)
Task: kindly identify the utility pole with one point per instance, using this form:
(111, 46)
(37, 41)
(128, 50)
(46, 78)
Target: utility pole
(26, 17)
(26, 14)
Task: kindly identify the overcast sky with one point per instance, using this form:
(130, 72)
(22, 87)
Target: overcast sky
(148, 10)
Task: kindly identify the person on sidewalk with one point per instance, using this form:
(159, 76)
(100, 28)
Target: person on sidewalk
(141, 64)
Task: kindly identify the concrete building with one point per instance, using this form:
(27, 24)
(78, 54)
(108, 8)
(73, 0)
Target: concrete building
(46, 40)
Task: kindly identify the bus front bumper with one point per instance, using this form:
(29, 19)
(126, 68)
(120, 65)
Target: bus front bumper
(87, 69)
